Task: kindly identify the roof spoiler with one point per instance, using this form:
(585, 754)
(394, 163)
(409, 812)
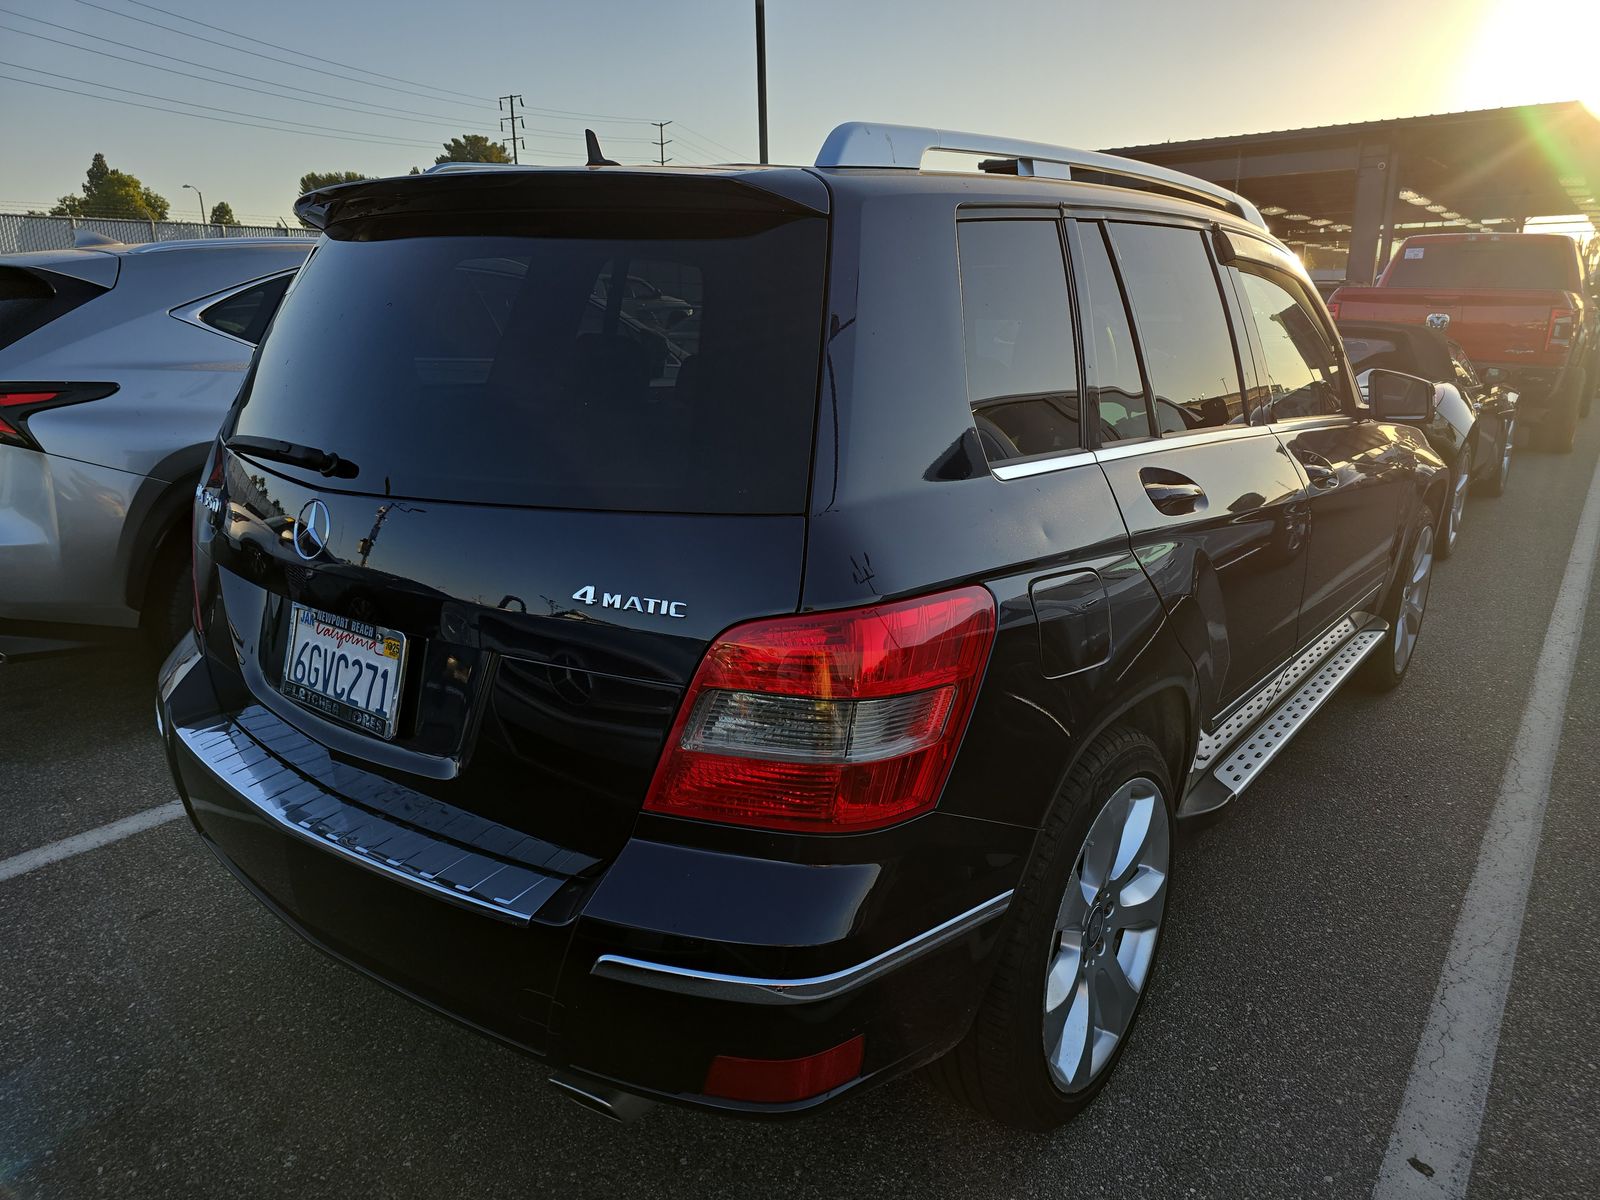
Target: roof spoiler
(862, 144)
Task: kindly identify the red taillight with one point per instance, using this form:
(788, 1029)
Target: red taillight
(19, 401)
(1558, 334)
(777, 1080)
(1333, 309)
(828, 722)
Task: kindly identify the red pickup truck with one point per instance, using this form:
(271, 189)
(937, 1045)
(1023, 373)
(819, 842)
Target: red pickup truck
(1518, 305)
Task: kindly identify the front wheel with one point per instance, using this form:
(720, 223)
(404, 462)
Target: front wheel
(1460, 483)
(1080, 947)
(1389, 661)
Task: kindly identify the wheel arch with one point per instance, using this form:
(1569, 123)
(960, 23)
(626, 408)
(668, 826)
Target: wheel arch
(159, 513)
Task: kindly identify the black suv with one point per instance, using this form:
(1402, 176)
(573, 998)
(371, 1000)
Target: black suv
(739, 700)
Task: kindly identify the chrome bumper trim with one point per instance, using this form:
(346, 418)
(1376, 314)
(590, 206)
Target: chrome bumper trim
(478, 864)
(746, 989)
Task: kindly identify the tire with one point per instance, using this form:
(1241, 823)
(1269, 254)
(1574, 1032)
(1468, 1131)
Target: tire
(1560, 428)
(1495, 484)
(1455, 508)
(1404, 609)
(1096, 970)
(168, 610)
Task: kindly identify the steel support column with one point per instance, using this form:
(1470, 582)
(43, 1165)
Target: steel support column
(1376, 188)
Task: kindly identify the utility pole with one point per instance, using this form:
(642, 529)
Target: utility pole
(513, 141)
(761, 73)
(662, 141)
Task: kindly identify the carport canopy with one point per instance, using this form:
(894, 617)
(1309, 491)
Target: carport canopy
(1362, 186)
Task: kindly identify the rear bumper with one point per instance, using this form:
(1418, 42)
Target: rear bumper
(630, 974)
(61, 527)
(1541, 391)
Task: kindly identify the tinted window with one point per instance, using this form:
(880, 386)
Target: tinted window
(1124, 409)
(1301, 367)
(645, 373)
(29, 301)
(1022, 375)
(1512, 262)
(246, 314)
(1188, 351)
(1366, 353)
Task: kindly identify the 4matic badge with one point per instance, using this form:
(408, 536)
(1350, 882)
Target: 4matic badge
(643, 604)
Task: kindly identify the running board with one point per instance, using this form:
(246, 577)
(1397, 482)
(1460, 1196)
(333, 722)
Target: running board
(1335, 657)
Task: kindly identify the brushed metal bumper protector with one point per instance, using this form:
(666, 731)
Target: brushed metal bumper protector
(479, 865)
(749, 989)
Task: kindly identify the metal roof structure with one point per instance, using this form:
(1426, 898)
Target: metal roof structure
(1364, 184)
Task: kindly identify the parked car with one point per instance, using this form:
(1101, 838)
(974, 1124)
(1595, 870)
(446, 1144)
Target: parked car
(1473, 427)
(744, 741)
(1515, 301)
(117, 365)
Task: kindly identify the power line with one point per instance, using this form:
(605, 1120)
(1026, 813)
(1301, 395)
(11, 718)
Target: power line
(706, 137)
(515, 141)
(362, 133)
(454, 121)
(258, 54)
(661, 142)
(202, 116)
(245, 37)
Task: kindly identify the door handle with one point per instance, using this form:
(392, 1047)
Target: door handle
(1172, 493)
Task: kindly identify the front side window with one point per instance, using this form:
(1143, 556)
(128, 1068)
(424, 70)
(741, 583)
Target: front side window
(1301, 366)
(1022, 372)
(1188, 348)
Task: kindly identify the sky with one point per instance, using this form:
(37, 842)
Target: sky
(404, 75)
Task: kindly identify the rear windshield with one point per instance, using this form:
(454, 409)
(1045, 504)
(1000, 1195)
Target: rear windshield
(662, 374)
(29, 301)
(1514, 263)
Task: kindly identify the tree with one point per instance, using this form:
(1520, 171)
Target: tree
(313, 180)
(108, 192)
(222, 214)
(473, 147)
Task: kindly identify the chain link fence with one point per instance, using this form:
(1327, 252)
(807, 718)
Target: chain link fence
(19, 234)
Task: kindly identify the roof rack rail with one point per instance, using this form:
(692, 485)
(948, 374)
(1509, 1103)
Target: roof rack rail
(863, 144)
(452, 165)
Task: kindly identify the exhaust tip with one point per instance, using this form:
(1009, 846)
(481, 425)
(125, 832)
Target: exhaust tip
(621, 1107)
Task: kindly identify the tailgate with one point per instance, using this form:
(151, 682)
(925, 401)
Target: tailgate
(1503, 328)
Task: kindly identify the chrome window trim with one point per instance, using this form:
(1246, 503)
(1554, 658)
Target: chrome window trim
(1022, 469)
(747, 989)
(189, 313)
(1323, 421)
(1216, 433)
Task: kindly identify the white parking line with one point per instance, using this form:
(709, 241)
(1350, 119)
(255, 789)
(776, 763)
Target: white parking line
(1436, 1132)
(93, 839)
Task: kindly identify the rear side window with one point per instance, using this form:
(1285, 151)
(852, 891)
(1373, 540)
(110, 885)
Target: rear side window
(1510, 263)
(649, 372)
(1022, 370)
(1122, 405)
(246, 313)
(1188, 349)
(30, 300)
(1302, 368)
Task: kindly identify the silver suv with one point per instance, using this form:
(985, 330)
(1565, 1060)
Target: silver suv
(117, 365)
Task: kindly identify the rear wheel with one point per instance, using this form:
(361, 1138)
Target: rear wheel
(168, 608)
(1460, 483)
(1081, 944)
(1388, 663)
(1560, 428)
(1495, 484)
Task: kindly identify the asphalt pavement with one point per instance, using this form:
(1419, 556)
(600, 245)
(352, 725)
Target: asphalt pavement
(162, 1035)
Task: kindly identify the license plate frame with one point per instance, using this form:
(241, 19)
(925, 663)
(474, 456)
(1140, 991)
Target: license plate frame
(331, 646)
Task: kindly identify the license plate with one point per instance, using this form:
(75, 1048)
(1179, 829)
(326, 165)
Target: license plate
(345, 669)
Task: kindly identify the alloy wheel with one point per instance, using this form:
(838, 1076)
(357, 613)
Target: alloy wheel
(1106, 932)
(1458, 497)
(1414, 597)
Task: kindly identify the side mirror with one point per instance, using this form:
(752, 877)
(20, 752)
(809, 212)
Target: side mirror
(1395, 396)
